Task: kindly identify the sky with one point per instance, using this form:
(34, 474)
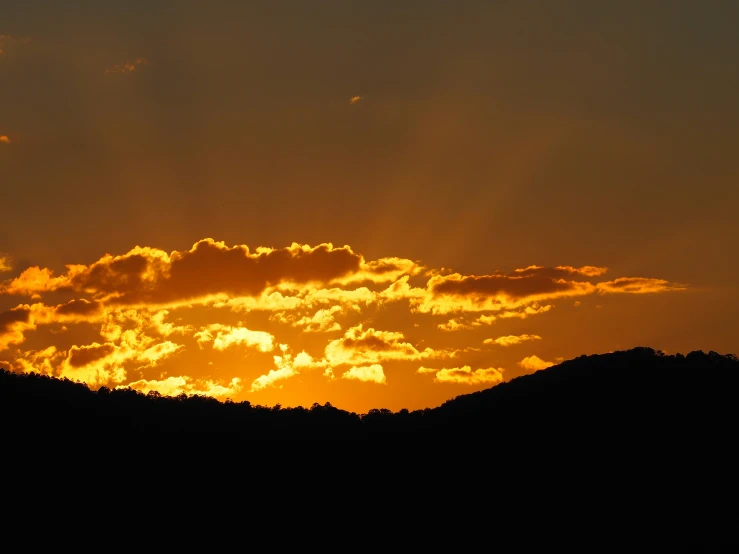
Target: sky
(377, 204)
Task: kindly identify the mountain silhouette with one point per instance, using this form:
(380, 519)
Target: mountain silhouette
(640, 396)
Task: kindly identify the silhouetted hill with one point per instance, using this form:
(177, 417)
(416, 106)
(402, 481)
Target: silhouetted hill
(635, 395)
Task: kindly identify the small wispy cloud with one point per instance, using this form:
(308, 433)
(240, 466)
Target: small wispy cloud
(128, 67)
(7, 42)
(509, 340)
(4, 139)
(354, 99)
(5, 263)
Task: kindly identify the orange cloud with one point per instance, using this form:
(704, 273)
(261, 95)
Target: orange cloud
(35, 281)
(456, 292)
(361, 346)
(127, 342)
(638, 285)
(148, 276)
(534, 309)
(287, 366)
(367, 374)
(587, 270)
(321, 322)
(101, 364)
(534, 363)
(42, 361)
(5, 262)
(12, 326)
(465, 375)
(459, 324)
(454, 325)
(4, 139)
(128, 67)
(139, 301)
(80, 356)
(175, 386)
(354, 99)
(384, 270)
(509, 340)
(226, 336)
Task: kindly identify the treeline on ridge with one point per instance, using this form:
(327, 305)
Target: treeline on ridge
(636, 394)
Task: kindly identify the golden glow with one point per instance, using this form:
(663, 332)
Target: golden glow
(174, 386)
(174, 322)
(465, 375)
(368, 374)
(509, 340)
(226, 336)
(406, 202)
(534, 363)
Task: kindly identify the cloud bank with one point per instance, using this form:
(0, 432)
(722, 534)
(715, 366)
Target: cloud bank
(147, 307)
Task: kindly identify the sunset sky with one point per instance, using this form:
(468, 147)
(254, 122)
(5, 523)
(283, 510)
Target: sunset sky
(376, 204)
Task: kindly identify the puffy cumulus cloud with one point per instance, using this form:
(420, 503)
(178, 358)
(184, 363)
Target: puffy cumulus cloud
(152, 355)
(35, 281)
(142, 299)
(456, 324)
(130, 324)
(167, 328)
(484, 320)
(130, 341)
(80, 356)
(638, 285)
(209, 271)
(465, 375)
(16, 322)
(272, 378)
(361, 346)
(128, 66)
(13, 325)
(224, 336)
(5, 139)
(369, 374)
(292, 297)
(384, 270)
(509, 340)
(346, 297)
(402, 290)
(175, 386)
(102, 364)
(322, 321)
(41, 361)
(287, 366)
(534, 363)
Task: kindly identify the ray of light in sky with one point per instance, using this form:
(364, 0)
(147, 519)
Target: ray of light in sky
(407, 201)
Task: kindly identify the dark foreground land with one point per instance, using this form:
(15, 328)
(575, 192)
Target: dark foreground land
(635, 395)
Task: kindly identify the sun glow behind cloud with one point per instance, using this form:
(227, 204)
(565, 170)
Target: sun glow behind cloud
(240, 310)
